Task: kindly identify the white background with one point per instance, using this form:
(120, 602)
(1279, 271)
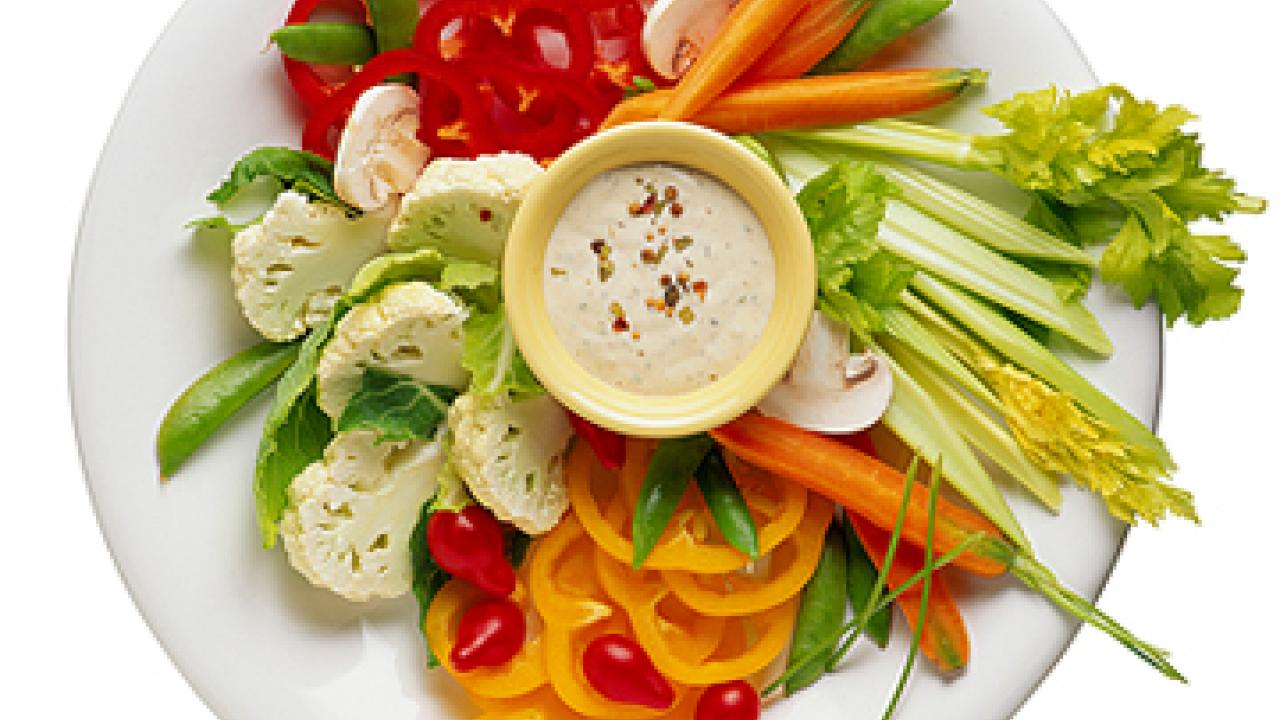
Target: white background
(74, 645)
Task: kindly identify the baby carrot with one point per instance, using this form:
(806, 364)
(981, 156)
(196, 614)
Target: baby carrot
(945, 640)
(752, 28)
(812, 101)
(818, 30)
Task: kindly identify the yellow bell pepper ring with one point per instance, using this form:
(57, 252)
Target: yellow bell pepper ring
(786, 570)
(525, 672)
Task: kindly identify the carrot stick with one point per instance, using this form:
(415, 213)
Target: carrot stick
(819, 29)
(944, 640)
(812, 101)
(751, 29)
(864, 486)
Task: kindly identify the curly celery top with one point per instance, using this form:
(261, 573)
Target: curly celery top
(1105, 169)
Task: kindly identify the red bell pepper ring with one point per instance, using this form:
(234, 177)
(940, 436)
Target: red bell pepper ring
(313, 89)
(610, 447)
(538, 113)
(503, 31)
(433, 74)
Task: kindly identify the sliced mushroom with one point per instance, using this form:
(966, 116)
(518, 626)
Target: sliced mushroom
(828, 390)
(677, 31)
(380, 156)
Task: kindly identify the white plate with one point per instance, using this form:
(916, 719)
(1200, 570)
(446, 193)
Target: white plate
(152, 310)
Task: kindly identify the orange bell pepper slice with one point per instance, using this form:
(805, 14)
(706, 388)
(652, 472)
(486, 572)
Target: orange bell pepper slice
(575, 610)
(525, 672)
(785, 571)
(690, 543)
(655, 613)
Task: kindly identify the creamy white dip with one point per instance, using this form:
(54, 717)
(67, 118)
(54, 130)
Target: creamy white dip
(659, 279)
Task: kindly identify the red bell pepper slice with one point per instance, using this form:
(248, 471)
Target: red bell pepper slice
(610, 447)
(546, 35)
(310, 86)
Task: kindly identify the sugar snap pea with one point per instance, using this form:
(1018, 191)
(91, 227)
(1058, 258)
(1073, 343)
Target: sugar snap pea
(727, 505)
(215, 397)
(326, 43)
(821, 615)
(394, 22)
(670, 471)
(863, 576)
(884, 22)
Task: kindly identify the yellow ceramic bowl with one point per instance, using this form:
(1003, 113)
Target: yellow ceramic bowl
(649, 415)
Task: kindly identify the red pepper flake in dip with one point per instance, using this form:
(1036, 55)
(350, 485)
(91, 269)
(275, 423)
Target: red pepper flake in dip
(650, 327)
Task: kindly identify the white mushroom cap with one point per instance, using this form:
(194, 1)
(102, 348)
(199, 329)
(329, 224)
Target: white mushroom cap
(380, 156)
(827, 389)
(677, 31)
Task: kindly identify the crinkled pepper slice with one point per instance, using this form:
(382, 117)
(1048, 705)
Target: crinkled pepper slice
(691, 543)
(524, 674)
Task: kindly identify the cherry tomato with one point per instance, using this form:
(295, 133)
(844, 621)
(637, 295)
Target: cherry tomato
(618, 668)
(489, 635)
(736, 700)
(469, 545)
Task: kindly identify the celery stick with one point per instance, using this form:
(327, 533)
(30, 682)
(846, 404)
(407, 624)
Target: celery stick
(908, 139)
(978, 427)
(902, 327)
(918, 421)
(940, 250)
(1023, 350)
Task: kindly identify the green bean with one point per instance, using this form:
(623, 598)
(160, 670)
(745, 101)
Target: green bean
(863, 576)
(727, 506)
(670, 471)
(215, 397)
(326, 43)
(394, 22)
(884, 22)
(821, 615)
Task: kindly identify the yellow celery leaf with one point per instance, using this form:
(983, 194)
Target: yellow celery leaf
(1060, 437)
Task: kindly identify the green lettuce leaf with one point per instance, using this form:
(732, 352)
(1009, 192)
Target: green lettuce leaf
(477, 284)
(302, 172)
(397, 407)
(490, 354)
(1112, 169)
(857, 279)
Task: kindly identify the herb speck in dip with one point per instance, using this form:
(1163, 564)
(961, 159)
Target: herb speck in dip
(659, 279)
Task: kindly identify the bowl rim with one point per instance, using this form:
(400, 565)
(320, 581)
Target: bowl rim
(657, 415)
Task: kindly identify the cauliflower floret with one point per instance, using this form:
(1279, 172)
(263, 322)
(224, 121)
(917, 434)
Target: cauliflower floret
(510, 455)
(293, 266)
(351, 515)
(409, 329)
(464, 207)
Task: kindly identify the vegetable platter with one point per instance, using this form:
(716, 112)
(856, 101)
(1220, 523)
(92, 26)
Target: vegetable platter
(485, 446)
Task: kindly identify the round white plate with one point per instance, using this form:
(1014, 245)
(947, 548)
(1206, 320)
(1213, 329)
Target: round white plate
(152, 309)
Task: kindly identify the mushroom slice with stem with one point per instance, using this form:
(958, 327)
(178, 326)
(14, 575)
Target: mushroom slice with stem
(380, 156)
(677, 31)
(827, 389)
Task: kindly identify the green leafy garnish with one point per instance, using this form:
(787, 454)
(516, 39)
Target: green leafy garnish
(218, 223)
(476, 283)
(496, 365)
(302, 172)
(640, 85)
(397, 407)
(428, 577)
(857, 279)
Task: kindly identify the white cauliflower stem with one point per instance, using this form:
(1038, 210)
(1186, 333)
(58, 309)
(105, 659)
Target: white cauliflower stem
(292, 267)
(351, 515)
(510, 455)
(409, 329)
(464, 207)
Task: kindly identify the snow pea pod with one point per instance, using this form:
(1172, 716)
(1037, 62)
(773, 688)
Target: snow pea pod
(884, 22)
(215, 397)
(394, 22)
(670, 470)
(821, 615)
(862, 578)
(727, 506)
(326, 43)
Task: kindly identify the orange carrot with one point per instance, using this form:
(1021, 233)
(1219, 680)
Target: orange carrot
(944, 639)
(751, 29)
(812, 101)
(819, 29)
(864, 486)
